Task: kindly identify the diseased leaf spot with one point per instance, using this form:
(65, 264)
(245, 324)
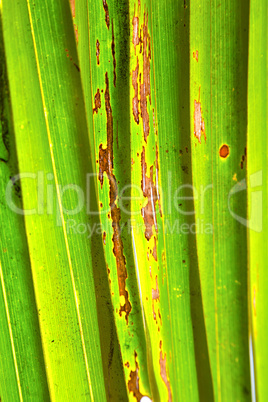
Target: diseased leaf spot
(133, 382)
(243, 159)
(113, 54)
(149, 190)
(155, 250)
(199, 124)
(155, 292)
(163, 372)
(98, 52)
(104, 238)
(71, 59)
(106, 165)
(195, 55)
(224, 151)
(135, 39)
(97, 100)
(72, 3)
(135, 100)
(106, 9)
(145, 88)
(155, 296)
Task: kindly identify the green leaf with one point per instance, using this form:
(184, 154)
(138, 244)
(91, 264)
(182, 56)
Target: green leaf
(218, 93)
(105, 77)
(172, 75)
(52, 143)
(22, 369)
(257, 191)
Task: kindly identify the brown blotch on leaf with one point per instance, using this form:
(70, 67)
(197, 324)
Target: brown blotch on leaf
(133, 382)
(195, 55)
(224, 151)
(163, 373)
(155, 250)
(149, 191)
(243, 159)
(106, 165)
(155, 296)
(107, 18)
(145, 88)
(135, 39)
(98, 52)
(155, 292)
(199, 124)
(72, 3)
(104, 238)
(97, 100)
(113, 54)
(135, 100)
(157, 179)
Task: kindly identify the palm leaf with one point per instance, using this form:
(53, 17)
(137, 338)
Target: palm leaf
(51, 138)
(218, 133)
(257, 191)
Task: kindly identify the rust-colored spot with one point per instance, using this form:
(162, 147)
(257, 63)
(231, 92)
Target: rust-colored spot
(155, 292)
(98, 51)
(155, 250)
(133, 382)
(72, 3)
(76, 66)
(199, 124)
(145, 88)
(104, 238)
(106, 165)
(107, 18)
(157, 179)
(135, 100)
(155, 296)
(113, 53)
(163, 372)
(97, 100)
(195, 55)
(135, 39)
(224, 151)
(160, 317)
(149, 191)
(127, 364)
